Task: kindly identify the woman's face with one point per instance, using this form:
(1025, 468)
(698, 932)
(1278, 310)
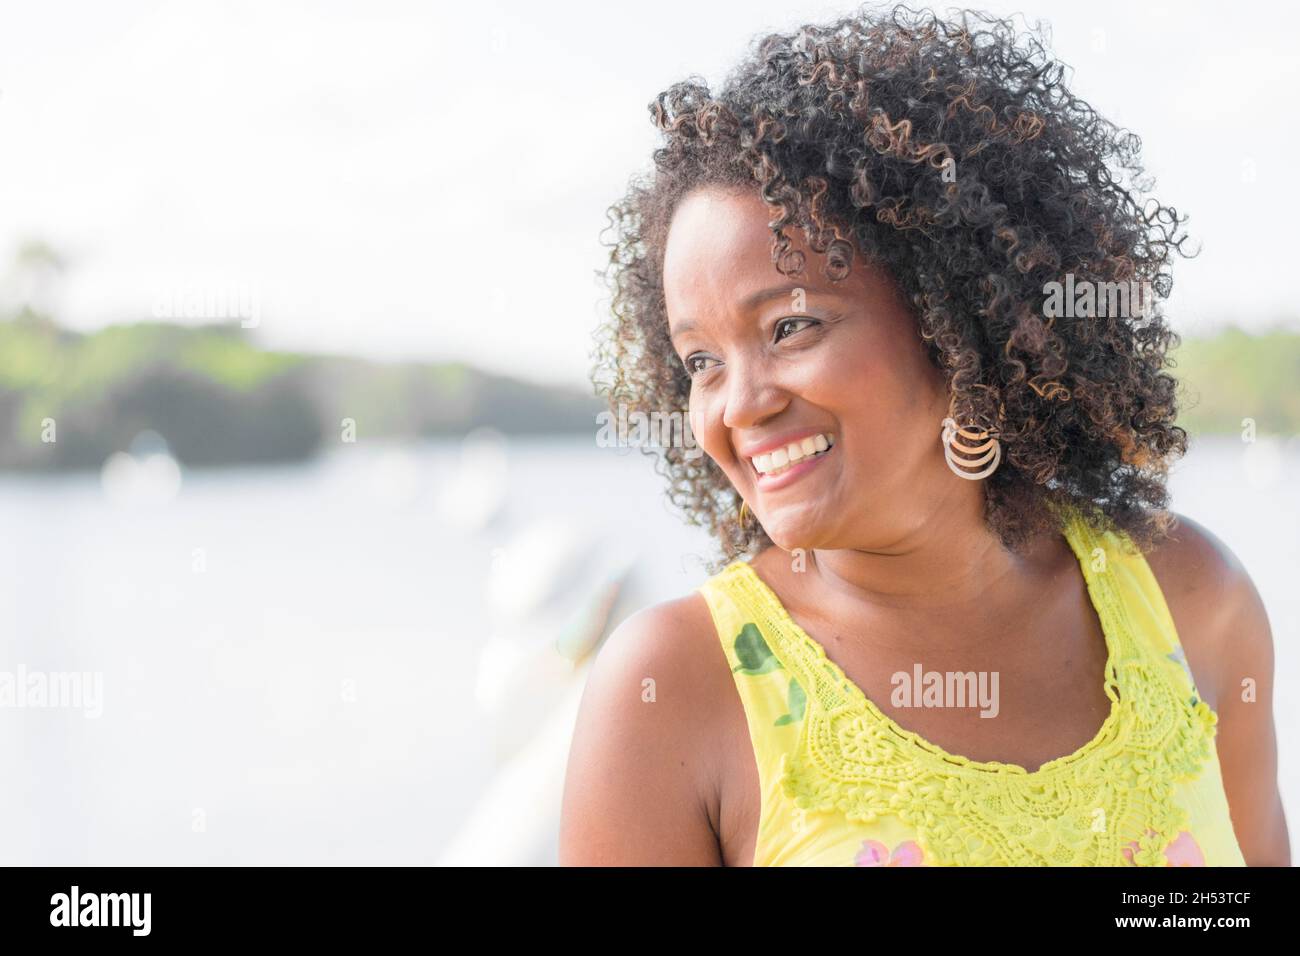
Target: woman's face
(783, 366)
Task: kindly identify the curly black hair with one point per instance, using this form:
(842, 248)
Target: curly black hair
(950, 151)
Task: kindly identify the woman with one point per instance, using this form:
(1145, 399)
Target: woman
(957, 625)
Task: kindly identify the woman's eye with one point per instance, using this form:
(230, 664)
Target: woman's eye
(695, 363)
(787, 323)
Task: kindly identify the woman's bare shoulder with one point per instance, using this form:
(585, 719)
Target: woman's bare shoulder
(1216, 609)
(667, 652)
(1224, 628)
(641, 777)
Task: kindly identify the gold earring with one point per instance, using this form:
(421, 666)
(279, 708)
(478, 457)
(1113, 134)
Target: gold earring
(962, 457)
(744, 505)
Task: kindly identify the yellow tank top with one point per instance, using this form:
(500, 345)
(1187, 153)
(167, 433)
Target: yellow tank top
(843, 785)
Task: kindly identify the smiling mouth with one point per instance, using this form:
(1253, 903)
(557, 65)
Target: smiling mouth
(777, 462)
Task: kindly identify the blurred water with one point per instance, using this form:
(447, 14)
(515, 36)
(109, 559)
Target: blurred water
(289, 654)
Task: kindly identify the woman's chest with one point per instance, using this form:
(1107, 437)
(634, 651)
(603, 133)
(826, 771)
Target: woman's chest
(1025, 701)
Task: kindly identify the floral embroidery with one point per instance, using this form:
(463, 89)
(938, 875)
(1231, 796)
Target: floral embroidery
(1183, 851)
(875, 853)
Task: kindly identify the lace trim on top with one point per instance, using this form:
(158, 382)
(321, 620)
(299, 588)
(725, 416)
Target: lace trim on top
(1092, 807)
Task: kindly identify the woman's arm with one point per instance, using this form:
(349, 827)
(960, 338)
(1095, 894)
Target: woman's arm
(638, 779)
(1225, 633)
(1247, 740)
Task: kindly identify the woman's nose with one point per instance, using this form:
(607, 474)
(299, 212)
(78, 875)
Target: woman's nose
(753, 395)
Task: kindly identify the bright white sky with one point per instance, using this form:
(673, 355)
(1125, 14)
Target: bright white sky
(401, 180)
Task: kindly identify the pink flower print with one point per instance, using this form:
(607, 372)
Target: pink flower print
(1183, 851)
(875, 853)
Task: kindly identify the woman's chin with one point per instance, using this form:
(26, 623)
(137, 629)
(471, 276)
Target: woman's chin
(794, 538)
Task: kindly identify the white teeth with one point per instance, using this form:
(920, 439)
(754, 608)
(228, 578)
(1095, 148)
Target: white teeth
(777, 461)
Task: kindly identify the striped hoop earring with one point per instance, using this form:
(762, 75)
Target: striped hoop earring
(964, 454)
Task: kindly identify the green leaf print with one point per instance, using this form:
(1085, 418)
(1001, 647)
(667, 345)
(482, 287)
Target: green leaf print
(797, 701)
(753, 653)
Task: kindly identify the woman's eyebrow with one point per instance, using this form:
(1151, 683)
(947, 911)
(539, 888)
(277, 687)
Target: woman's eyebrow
(775, 292)
(751, 301)
(682, 328)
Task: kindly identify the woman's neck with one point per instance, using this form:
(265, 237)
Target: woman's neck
(947, 561)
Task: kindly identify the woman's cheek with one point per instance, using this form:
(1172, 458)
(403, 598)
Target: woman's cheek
(705, 436)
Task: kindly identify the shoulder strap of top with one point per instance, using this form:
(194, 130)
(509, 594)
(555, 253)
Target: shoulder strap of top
(774, 701)
(1109, 555)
